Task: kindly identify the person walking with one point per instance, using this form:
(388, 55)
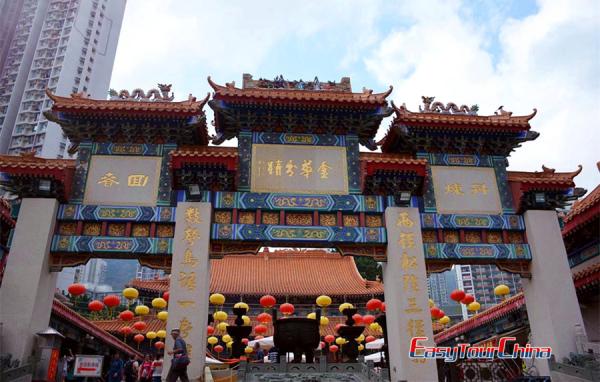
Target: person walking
(180, 361)
(157, 367)
(115, 372)
(130, 370)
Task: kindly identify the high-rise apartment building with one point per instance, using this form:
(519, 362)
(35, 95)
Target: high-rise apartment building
(480, 281)
(145, 273)
(439, 286)
(67, 46)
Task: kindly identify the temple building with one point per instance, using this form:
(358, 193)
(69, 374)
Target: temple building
(146, 185)
(580, 233)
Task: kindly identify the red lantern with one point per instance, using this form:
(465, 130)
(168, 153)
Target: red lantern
(139, 326)
(139, 338)
(383, 307)
(95, 306)
(287, 309)
(321, 345)
(264, 318)
(440, 314)
(457, 295)
(329, 338)
(369, 339)
(333, 348)
(260, 329)
(210, 330)
(76, 289)
(337, 327)
(159, 345)
(358, 319)
(467, 299)
(267, 301)
(126, 315)
(368, 319)
(125, 330)
(166, 296)
(435, 312)
(112, 300)
(245, 341)
(218, 349)
(374, 304)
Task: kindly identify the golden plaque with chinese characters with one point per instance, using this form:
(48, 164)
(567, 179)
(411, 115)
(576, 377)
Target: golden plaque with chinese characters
(299, 169)
(465, 190)
(122, 180)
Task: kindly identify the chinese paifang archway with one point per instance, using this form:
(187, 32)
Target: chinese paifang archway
(146, 185)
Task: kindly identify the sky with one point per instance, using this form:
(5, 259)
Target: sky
(521, 54)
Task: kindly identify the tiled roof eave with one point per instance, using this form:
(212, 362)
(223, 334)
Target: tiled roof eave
(71, 316)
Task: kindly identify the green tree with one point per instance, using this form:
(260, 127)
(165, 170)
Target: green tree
(368, 267)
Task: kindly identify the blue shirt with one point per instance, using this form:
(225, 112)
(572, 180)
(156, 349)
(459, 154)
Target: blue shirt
(179, 345)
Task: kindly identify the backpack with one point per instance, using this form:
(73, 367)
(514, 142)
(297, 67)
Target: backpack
(146, 370)
(128, 367)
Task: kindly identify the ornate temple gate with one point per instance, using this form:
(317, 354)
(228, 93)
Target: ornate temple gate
(147, 186)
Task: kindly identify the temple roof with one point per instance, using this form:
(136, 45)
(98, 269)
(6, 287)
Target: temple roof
(25, 170)
(61, 311)
(582, 212)
(559, 188)
(137, 118)
(297, 107)
(587, 278)
(154, 324)
(425, 130)
(284, 273)
(282, 94)
(548, 178)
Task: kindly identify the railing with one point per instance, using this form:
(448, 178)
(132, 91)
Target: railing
(11, 370)
(321, 370)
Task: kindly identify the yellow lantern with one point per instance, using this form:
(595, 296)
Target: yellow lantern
(222, 326)
(151, 335)
(312, 316)
(212, 340)
(248, 350)
(142, 310)
(159, 303)
(474, 306)
(340, 341)
(227, 338)
(374, 326)
(229, 344)
(242, 305)
(217, 299)
(323, 301)
(130, 293)
(361, 347)
(247, 321)
(220, 316)
(501, 290)
(161, 334)
(360, 338)
(431, 303)
(324, 321)
(163, 315)
(444, 320)
(345, 306)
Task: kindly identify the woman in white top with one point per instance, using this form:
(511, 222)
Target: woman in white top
(157, 365)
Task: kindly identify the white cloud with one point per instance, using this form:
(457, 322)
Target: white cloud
(548, 60)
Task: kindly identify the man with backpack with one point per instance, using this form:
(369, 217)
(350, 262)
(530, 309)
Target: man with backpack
(180, 360)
